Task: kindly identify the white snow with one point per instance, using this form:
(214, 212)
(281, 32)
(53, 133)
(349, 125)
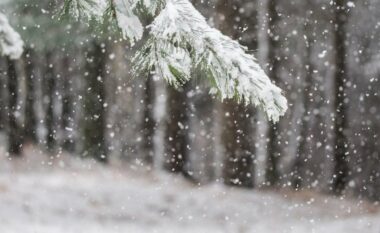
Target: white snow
(65, 195)
(11, 43)
(127, 21)
(350, 4)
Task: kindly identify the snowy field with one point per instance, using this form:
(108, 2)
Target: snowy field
(66, 195)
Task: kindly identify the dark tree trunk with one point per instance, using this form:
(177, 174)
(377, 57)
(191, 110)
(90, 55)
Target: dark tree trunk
(94, 104)
(176, 138)
(148, 124)
(203, 144)
(341, 168)
(3, 94)
(274, 148)
(237, 140)
(302, 150)
(67, 108)
(50, 86)
(15, 138)
(237, 134)
(30, 114)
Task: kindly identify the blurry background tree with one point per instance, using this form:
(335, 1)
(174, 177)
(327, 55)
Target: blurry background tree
(237, 137)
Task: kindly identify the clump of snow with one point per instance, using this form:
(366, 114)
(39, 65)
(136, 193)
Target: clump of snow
(350, 4)
(11, 43)
(127, 21)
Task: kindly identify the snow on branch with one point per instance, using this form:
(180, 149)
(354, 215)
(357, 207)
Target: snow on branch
(127, 21)
(182, 42)
(84, 9)
(11, 43)
(150, 7)
(119, 11)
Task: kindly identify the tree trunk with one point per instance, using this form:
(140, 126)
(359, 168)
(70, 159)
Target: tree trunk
(237, 134)
(94, 104)
(30, 114)
(3, 94)
(341, 169)
(274, 149)
(149, 124)
(15, 138)
(67, 108)
(176, 138)
(203, 139)
(236, 138)
(302, 149)
(49, 97)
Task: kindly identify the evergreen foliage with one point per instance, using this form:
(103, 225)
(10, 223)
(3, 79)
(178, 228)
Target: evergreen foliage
(181, 43)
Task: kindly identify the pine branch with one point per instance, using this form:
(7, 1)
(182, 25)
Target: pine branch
(181, 41)
(149, 7)
(84, 9)
(127, 21)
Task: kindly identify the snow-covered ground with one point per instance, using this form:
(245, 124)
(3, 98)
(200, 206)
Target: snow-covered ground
(66, 195)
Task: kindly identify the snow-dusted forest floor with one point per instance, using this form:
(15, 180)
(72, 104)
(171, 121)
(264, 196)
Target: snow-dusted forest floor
(67, 195)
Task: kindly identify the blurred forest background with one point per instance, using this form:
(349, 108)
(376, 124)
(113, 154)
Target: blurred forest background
(72, 91)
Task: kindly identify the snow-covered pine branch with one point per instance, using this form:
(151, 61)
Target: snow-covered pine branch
(127, 21)
(181, 43)
(85, 9)
(150, 7)
(11, 43)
